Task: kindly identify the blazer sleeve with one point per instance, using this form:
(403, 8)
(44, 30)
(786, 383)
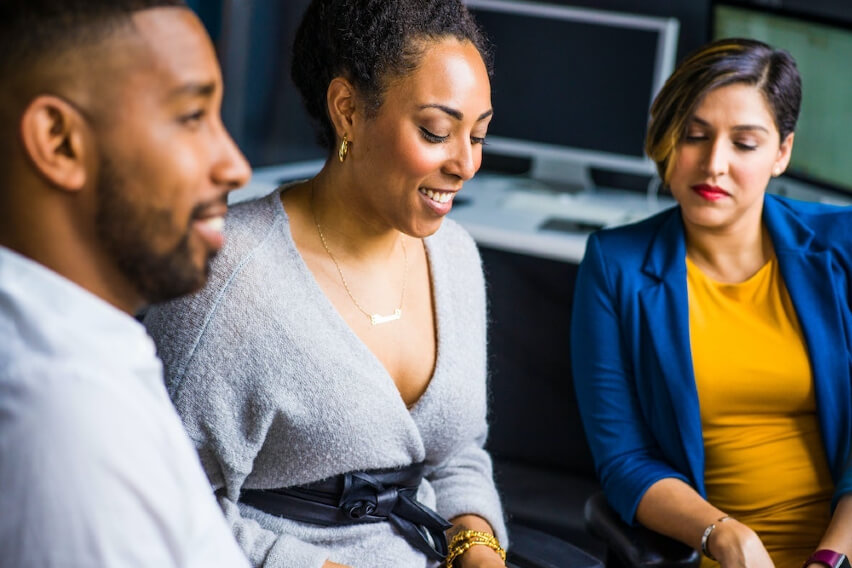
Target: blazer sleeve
(627, 456)
(844, 486)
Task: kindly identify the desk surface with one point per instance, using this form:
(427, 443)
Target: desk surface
(519, 214)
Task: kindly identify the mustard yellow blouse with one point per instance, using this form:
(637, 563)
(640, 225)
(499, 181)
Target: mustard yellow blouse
(764, 460)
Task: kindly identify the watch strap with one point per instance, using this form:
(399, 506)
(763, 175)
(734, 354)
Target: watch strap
(828, 558)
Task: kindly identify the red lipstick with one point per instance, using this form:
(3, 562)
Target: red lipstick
(709, 192)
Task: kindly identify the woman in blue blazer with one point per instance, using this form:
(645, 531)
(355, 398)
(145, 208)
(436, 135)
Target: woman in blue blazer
(720, 128)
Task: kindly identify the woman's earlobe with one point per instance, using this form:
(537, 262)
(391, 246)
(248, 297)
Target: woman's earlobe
(52, 135)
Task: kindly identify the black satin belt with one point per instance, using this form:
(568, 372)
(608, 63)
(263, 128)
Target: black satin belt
(361, 497)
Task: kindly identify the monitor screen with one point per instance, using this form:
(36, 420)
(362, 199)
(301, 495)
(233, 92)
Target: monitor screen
(574, 84)
(822, 151)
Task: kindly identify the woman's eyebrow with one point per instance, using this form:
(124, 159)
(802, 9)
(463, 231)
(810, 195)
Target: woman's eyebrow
(737, 127)
(457, 114)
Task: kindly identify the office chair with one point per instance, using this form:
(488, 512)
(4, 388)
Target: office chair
(530, 548)
(634, 547)
(542, 463)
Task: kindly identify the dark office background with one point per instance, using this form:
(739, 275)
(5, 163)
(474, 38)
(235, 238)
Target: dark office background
(264, 112)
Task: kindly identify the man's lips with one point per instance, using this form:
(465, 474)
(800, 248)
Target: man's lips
(209, 221)
(710, 192)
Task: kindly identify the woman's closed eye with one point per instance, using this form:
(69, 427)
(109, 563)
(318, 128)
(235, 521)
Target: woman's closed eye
(437, 138)
(748, 146)
(432, 137)
(694, 137)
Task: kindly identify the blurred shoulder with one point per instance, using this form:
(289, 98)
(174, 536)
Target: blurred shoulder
(821, 228)
(452, 248)
(831, 224)
(631, 243)
(254, 232)
(249, 225)
(454, 238)
(252, 229)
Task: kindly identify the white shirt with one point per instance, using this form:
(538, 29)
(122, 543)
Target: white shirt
(95, 467)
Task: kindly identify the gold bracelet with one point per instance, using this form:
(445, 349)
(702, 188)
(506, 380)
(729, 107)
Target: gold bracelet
(464, 540)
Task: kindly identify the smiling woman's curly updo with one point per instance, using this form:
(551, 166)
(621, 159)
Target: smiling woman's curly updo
(370, 42)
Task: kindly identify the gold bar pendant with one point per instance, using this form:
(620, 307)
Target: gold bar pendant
(377, 319)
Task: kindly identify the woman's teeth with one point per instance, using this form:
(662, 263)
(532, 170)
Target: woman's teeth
(437, 196)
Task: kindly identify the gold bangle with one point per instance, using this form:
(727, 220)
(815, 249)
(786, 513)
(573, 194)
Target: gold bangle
(464, 540)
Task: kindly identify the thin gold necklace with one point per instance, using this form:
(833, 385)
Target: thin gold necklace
(375, 319)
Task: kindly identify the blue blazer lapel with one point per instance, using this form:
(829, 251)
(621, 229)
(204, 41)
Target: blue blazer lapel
(808, 276)
(664, 306)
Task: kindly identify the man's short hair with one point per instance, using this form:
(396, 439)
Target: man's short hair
(31, 30)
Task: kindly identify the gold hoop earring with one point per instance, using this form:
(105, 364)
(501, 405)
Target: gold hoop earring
(344, 148)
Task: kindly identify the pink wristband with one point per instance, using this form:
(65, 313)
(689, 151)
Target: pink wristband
(828, 558)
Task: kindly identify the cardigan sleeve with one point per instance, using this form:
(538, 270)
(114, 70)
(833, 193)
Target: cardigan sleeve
(464, 486)
(463, 480)
(212, 390)
(627, 457)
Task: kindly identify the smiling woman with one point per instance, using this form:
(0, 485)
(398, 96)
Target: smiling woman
(337, 357)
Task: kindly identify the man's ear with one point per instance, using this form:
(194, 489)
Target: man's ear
(342, 104)
(54, 135)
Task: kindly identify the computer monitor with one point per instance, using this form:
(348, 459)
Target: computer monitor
(572, 86)
(822, 152)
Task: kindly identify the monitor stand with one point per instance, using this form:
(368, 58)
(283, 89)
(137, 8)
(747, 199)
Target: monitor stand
(562, 175)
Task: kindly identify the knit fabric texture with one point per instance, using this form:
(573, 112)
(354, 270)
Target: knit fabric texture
(276, 390)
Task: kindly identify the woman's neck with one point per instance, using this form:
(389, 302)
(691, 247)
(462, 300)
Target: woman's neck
(345, 221)
(731, 254)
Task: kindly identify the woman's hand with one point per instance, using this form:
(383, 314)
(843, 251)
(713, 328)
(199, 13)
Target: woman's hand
(479, 556)
(735, 545)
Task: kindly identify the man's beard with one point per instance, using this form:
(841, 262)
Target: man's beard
(128, 232)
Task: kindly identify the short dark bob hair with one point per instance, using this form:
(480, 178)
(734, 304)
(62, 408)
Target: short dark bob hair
(369, 42)
(717, 64)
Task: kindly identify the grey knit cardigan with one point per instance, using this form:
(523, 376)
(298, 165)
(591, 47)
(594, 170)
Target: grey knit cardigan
(276, 390)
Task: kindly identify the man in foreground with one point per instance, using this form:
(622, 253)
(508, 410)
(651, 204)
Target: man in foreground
(114, 172)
